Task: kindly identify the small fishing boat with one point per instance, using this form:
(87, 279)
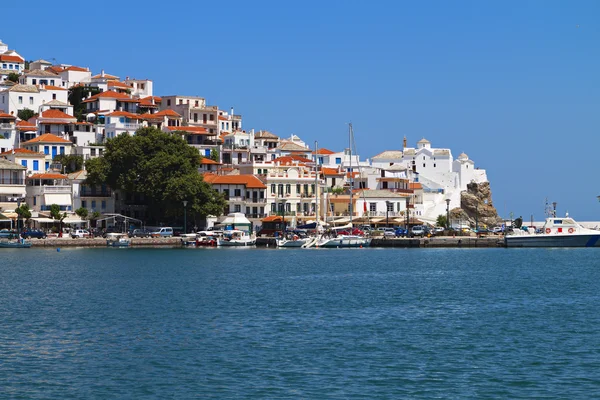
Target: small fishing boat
(14, 241)
(292, 240)
(236, 238)
(117, 240)
(556, 232)
(206, 239)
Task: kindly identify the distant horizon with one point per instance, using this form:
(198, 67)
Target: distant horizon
(512, 84)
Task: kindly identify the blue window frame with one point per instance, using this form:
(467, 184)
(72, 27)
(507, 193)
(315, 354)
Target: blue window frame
(104, 204)
(47, 165)
(93, 204)
(338, 160)
(36, 165)
(24, 163)
(46, 150)
(34, 200)
(62, 149)
(54, 152)
(206, 152)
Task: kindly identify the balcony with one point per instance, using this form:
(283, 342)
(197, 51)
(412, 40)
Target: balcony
(123, 126)
(56, 189)
(95, 193)
(9, 181)
(7, 126)
(396, 190)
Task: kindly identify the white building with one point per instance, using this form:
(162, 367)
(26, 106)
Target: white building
(40, 77)
(140, 87)
(34, 162)
(12, 184)
(49, 188)
(32, 97)
(10, 61)
(9, 135)
(244, 193)
(93, 198)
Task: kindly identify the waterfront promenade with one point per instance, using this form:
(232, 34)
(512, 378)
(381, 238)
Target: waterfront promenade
(441, 241)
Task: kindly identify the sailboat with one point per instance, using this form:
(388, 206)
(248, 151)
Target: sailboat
(334, 239)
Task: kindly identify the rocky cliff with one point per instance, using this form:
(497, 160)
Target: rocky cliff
(476, 201)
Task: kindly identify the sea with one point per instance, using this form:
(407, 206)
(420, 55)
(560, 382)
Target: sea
(300, 324)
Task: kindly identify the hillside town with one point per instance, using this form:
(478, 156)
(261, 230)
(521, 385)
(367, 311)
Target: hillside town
(50, 110)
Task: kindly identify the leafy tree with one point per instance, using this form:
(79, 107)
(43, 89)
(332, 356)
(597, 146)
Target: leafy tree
(25, 114)
(13, 77)
(72, 162)
(76, 96)
(82, 212)
(337, 190)
(160, 167)
(23, 212)
(56, 214)
(214, 154)
(441, 220)
(94, 217)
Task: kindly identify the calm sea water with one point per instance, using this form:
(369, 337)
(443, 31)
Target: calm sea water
(319, 324)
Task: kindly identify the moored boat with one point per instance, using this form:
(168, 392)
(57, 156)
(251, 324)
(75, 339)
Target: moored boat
(117, 240)
(236, 238)
(292, 240)
(14, 241)
(556, 232)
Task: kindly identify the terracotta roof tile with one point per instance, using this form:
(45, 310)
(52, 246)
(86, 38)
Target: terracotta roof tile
(20, 150)
(331, 171)
(54, 113)
(250, 181)
(4, 115)
(168, 113)
(48, 176)
(4, 57)
(47, 138)
(77, 69)
(324, 151)
(194, 130)
(52, 87)
(109, 94)
(206, 160)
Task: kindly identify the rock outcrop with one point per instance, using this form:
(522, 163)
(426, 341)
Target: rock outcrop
(476, 203)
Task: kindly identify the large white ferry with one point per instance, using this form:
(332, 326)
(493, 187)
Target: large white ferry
(556, 232)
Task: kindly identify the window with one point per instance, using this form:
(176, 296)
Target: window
(434, 165)
(52, 82)
(288, 189)
(211, 117)
(20, 99)
(272, 188)
(24, 163)
(320, 160)
(338, 160)
(298, 189)
(17, 67)
(93, 152)
(62, 149)
(47, 165)
(84, 203)
(103, 204)
(280, 189)
(180, 101)
(312, 188)
(237, 192)
(237, 208)
(169, 102)
(33, 81)
(4, 66)
(372, 207)
(390, 206)
(53, 96)
(36, 165)
(423, 165)
(93, 204)
(30, 100)
(226, 193)
(34, 200)
(195, 117)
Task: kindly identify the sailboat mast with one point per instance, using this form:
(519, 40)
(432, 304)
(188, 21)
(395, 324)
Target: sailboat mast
(350, 169)
(317, 185)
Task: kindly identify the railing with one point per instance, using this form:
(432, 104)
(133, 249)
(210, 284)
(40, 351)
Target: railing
(57, 189)
(95, 193)
(7, 126)
(256, 215)
(256, 200)
(62, 208)
(127, 126)
(396, 190)
(9, 181)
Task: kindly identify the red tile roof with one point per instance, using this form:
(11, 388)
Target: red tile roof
(4, 115)
(4, 57)
(56, 69)
(292, 159)
(109, 94)
(331, 171)
(324, 151)
(415, 185)
(20, 150)
(54, 113)
(26, 126)
(222, 118)
(147, 101)
(206, 160)
(74, 68)
(273, 218)
(119, 85)
(168, 113)
(250, 181)
(51, 87)
(47, 138)
(48, 176)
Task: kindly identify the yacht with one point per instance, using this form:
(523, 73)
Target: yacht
(556, 232)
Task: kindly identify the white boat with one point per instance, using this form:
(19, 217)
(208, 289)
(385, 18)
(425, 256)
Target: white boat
(556, 232)
(117, 240)
(342, 241)
(292, 241)
(236, 238)
(14, 242)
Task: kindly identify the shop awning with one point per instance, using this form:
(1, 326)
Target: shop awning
(74, 220)
(43, 220)
(62, 199)
(9, 215)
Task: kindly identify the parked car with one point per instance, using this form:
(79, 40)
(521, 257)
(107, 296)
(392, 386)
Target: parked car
(389, 232)
(497, 229)
(401, 232)
(33, 233)
(417, 230)
(439, 229)
(142, 233)
(110, 229)
(163, 232)
(80, 233)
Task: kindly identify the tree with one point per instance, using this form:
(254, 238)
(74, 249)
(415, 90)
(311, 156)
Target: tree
(23, 212)
(337, 190)
(25, 114)
(76, 96)
(214, 154)
(441, 220)
(161, 168)
(13, 77)
(94, 217)
(82, 212)
(72, 162)
(56, 214)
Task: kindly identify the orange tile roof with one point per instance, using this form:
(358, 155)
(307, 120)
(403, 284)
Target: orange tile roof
(293, 159)
(194, 130)
(324, 151)
(331, 171)
(168, 113)
(273, 218)
(109, 94)
(52, 87)
(106, 76)
(4, 115)
(147, 101)
(415, 185)
(206, 160)
(222, 118)
(119, 84)
(48, 176)
(4, 57)
(54, 113)
(250, 181)
(56, 69)
(20, 150)
(74, 68)
(26, 126)
(47, 138)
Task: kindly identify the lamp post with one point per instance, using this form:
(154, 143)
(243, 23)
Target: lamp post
(447, 213)
(387, 213)
(184, 217)
(554, 209)
(407, 221)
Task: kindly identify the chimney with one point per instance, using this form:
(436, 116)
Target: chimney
(102, 73)
(231, 112)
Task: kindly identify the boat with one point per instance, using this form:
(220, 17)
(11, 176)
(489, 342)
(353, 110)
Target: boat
(207, 238)
(117, 240)
(14, 242)
(292, 240)
(556, 232)
(236, 238)
(188, 239)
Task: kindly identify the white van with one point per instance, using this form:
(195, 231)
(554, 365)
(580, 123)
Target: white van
(163, 232)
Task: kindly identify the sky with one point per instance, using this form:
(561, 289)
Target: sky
(514, 84)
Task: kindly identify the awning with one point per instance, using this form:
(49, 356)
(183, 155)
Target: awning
(75, 220)
(43, 220)
(9, 215)
(61, 199)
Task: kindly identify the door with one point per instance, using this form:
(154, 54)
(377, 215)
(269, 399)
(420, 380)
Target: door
(53, 152)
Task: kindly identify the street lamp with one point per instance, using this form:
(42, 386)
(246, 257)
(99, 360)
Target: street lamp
(447, 213)
(184, 216)
(407, 221)
(554, 210)
(387, 213)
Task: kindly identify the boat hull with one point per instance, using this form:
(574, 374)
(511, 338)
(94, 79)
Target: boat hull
(541, 240)
(235, 243)
(291, 243)
(15, 245)
(345, 242)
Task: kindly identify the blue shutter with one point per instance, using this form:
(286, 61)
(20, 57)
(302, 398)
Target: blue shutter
(24, 163)
(36, 165)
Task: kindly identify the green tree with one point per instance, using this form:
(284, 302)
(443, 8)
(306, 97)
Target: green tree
(160, 167)
(337, 190)
(25, 114)
(13, 77)
(82, 212)
(76, 96)
(56, 214)
(72, 162)
(94, 217)
(23, 212)
(441, 220)
(214, 154)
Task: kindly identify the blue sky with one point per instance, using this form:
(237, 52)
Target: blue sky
(514, 84)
